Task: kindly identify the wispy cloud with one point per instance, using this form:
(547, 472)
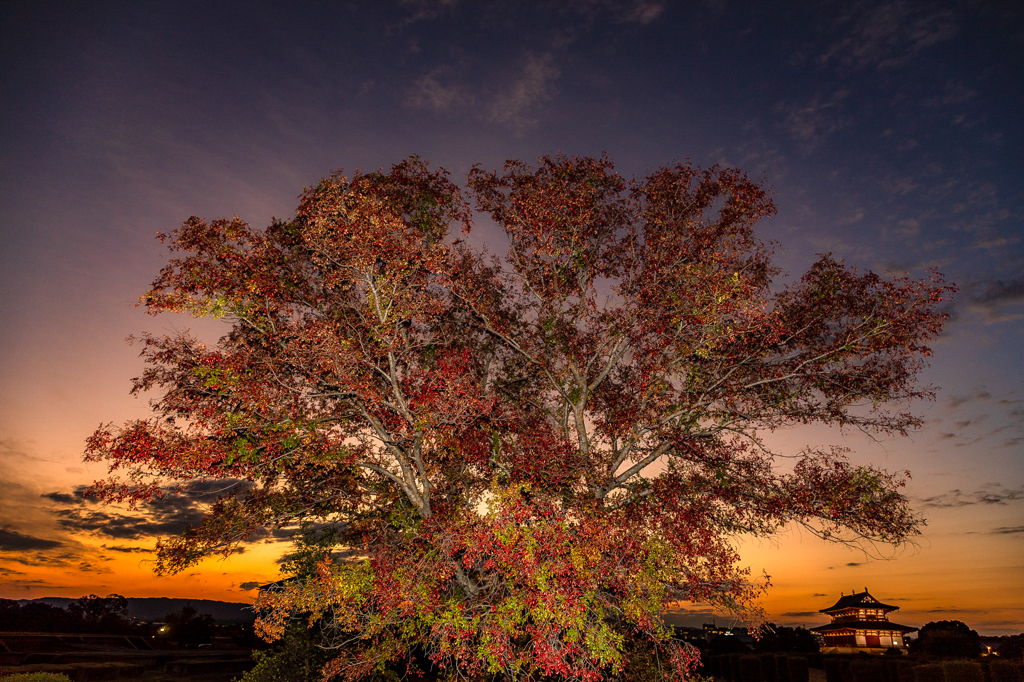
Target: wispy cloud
(127, 550)
(643, 11)
(993, 494)
(888, 35)
(1008, 530)
(981, 394)
(63, 559)
(812, 121)
(437, 92)
(426, 10)
(954, 92)
(516, 106)
(995, 299)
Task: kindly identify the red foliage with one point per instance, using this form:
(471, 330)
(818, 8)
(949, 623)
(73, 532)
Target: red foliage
(525, 460)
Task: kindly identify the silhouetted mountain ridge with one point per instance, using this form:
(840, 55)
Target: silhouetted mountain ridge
(155, 608)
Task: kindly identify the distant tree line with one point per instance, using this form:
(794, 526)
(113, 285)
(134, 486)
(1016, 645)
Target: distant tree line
(782, 639)
(93, 614)
(190, 628)
(955, 639)
(109, 616)
(951, 639)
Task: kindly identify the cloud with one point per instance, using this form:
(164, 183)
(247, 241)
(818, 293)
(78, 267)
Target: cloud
(888, 35)
(967, 422)
(641, 12)
(1008, 530)
(644, 12)
(432, 93)
(13, 541)
(801, 614)
(65, 498)
(992, 299)
(513, 108)
(249, 585)
(819, 594)
(27, 585)
(957, 401)
(127, 550)
(955, 92)
(169, 514)
(426, 10)
(64, 559)
(813, 121)
(997, 494)
(854, 563)
(128, 526)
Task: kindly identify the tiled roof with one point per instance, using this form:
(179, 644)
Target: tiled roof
(859, 600)
(864, 625)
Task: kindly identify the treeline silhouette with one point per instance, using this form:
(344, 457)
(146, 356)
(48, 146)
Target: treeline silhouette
(93, 614)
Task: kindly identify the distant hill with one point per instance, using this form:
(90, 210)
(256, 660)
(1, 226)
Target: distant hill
(155, 608)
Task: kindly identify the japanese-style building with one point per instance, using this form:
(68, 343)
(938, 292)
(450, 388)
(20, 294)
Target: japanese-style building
(861, 623)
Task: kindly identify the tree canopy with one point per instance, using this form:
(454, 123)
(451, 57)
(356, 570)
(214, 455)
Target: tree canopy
(948, 638)
(520, 461)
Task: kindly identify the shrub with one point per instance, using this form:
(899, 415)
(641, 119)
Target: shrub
(962, 671)
(729, 667)
(768, 668)
(37, 677)
(931, 672)
(709, 666)
(799, 670)
(834, 669)
(1012, 648)
(782, 669)
(873, 670)
(749, 669)
(900, 670)
(1006, 671)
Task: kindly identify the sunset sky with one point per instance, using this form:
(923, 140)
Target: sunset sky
(890, 134)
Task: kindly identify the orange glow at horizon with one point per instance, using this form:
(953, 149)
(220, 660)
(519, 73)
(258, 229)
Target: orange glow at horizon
(952, 572)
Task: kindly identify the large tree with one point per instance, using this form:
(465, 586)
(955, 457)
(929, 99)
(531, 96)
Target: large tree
(522, 461)
(948, 638)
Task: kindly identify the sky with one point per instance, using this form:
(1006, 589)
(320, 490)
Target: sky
(889, 133)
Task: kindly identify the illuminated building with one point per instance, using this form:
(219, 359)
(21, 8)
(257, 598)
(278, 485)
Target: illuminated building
(861, 623)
